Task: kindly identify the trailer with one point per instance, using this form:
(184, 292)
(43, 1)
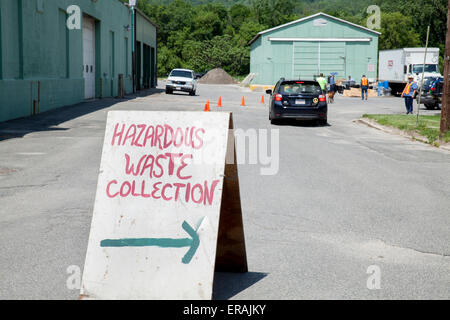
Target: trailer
(396, 65)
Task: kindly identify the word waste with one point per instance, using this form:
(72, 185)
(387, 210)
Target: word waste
(157, 173)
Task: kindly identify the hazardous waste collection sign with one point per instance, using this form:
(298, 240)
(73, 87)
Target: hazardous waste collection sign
(161, 193)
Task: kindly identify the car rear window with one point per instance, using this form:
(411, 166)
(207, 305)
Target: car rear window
(181, 73)
(300, 87)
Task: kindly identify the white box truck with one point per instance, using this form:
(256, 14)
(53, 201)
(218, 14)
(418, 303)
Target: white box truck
(396, 65)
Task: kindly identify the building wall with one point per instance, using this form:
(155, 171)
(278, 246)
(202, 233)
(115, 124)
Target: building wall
(272, 60)
(146, 35)
(40, 59)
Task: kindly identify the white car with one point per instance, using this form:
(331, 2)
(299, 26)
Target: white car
(181, 80)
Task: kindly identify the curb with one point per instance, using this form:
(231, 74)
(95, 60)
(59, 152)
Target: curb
(260, 87)
(376, 125)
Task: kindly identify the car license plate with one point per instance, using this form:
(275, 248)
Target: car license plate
(178, 88)
(300, 102)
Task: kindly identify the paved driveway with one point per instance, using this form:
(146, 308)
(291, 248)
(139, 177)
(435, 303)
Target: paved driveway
(346, 200)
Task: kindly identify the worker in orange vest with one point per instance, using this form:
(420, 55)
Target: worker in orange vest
(409, 93)
(364, 86)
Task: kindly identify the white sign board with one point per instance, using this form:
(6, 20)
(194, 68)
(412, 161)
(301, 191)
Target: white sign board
(156, 216)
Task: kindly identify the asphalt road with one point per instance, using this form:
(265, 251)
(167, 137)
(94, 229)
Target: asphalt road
(345, 198)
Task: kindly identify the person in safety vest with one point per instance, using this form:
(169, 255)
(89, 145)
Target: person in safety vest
(408, 93)
(364, 87)
(322, 82)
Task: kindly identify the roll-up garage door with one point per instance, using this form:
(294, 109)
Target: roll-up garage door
(310, 58)
(305, 60)
(89, 57)
(332, 58)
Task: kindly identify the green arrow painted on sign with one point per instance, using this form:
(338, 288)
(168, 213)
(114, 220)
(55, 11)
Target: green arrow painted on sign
(192, 242)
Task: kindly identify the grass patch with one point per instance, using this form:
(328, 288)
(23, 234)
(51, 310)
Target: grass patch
(429, 126)
(239, 78)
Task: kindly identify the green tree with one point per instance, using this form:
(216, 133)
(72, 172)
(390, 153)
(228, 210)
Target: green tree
(274, 12)
(167, 60)
(203, 34)
(206, 25)
(239, 13)
(397, 31)
(171, 18)
(194, 55)
(423, 13)
(248, 31)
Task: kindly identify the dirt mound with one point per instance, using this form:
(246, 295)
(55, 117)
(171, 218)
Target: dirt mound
(217, 76)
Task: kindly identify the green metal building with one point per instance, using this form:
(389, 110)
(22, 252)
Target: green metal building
(320, 43)
(44, 64)
(146, 49)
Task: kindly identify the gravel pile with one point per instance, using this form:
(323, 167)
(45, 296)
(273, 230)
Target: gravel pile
(217, 76)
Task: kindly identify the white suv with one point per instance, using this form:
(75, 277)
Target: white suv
(181, 80)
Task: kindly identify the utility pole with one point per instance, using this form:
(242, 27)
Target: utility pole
(423, 75)
(445, 114)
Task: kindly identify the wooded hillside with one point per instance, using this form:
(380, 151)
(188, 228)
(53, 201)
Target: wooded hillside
(202, 34)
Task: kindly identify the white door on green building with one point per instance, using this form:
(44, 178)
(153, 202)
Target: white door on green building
(89, 57)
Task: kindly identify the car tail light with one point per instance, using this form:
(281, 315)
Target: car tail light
(322, 98)
(278, 97)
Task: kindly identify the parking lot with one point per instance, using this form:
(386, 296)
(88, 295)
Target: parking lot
(345, 198)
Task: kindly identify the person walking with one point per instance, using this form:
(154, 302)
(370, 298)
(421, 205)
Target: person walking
(349, 83)
(322, 82)
(364, 87)
(409, 93)
(332, 91)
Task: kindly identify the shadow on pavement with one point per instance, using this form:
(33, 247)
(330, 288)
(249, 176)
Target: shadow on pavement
(300, 123)
(182, 94)
(227, 285)
(49, 120)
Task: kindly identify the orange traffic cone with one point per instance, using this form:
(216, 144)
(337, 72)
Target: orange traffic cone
(262, 100)
(243, 102)
(219, 105)
(207, 107)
